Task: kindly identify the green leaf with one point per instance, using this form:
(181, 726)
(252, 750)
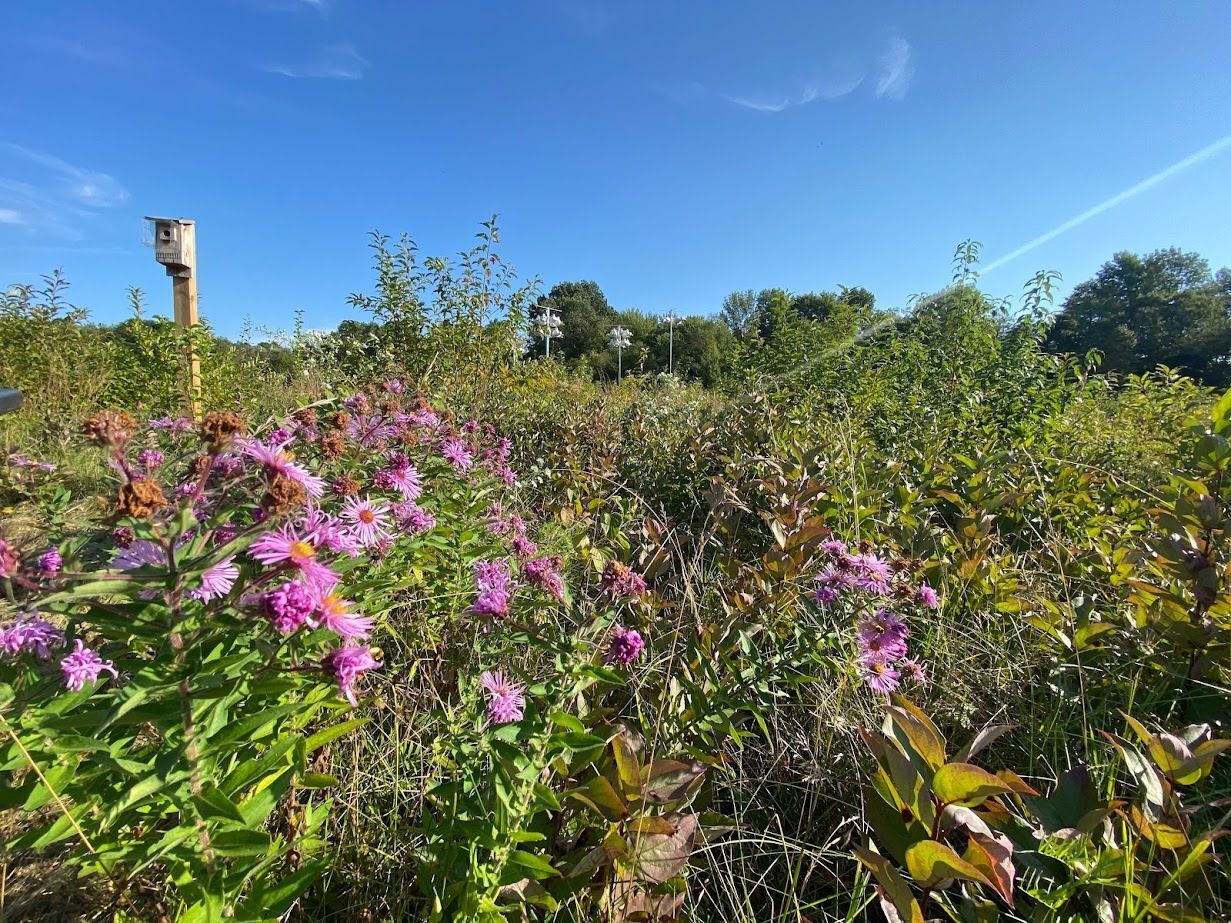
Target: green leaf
(930, 862)
(524, 864)
(893, 887)
(322, 737)
(911, 728)
(315, 780)
(966, 784)
(241, 843)
(213, 803)
(273, 899)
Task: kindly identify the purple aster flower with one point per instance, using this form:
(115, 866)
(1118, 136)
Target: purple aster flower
(143, 553)
(50, 562)
(412, 518)
(926, 596)
(225, 533)
(872, 574)
(882, 637)
(544, 574)
(491, 580)
(334, 613)
(626, 646)
(506, 700)
(621, 580)
(825, 596)
(403, 479)
(357, 402)
(880, 676)
(83, 666)
(328, 532)
(834, 548)
(347, 664)
(277, 461)
(216, 581)
(281, 436)
(30, 634)
(395, 386)
(523, 547)
(456, 452)
(8, 559)
(288, 607)
(122, 536)
(369, 519)
(914, 671)
(288, 547)
(149, 459)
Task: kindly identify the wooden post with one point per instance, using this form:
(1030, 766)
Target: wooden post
(184, 298)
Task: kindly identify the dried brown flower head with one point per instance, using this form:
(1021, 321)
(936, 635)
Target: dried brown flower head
(140, 499)
(222, 426)
(109, 428)
(333, 444)
(283, 496)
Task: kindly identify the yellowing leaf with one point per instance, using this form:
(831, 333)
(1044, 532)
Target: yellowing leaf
(966, 784)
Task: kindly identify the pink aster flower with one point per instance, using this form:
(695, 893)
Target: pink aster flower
(289, 607)
(395, 386)
(8, 560)
(523, 547)
(882, 637)
(278, 461)
(457, 453)
(626, 646)
(834, 548)
(872, 573)
(914, 671)
(544, 574)
(347, 664)
(50, 562)
(287, 547)
(83, 666)
(216, 581)
(412, 518)
(150, 459)
(334, 613)
(369, 520)
(880, 676)
(330, 533)
(491, 579)
(30, 634)
(621, 580)
(506, 700)
(405, 480)
(141, 553)
(926, 596)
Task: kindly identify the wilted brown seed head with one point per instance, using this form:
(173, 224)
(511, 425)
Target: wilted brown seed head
(339, 419)
(306, 416)
(139, 499)
(222, 426)
(283, 496)
(199, 465)
(345, 487)
(109, 428)
(333, 444)
(388, 407)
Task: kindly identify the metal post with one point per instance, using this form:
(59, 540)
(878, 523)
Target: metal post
(619, 338)
(670, 319)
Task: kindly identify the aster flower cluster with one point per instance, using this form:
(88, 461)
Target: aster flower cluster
(506, 700)
(36, 636)
(494, 586)
(544, 573)
(626, 646)
(621, 581)
(881, 635)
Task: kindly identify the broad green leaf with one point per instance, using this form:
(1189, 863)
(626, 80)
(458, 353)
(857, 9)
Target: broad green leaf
(893, 887)
(322, 737)
(966, 784)
(930, 862)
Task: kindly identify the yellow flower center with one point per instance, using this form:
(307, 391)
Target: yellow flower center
(367, 516)
(302, 551)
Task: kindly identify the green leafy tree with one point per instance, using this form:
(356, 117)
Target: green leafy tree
(586, 315)
(739, 311)
(1141, 312)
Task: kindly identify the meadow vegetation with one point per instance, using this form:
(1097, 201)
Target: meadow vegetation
(861, 614)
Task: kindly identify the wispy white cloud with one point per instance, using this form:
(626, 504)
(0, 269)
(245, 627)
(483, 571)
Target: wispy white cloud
(11, 216)
(895, 69)
(826, 89)
(87, 187)
(333, 62)
(1210, 150)
(100, 53)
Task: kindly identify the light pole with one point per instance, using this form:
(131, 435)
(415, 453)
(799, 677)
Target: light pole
(619, 339)
(671, 319)
(549, 326)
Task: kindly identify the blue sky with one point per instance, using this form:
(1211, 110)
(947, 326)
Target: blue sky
(671, 151)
